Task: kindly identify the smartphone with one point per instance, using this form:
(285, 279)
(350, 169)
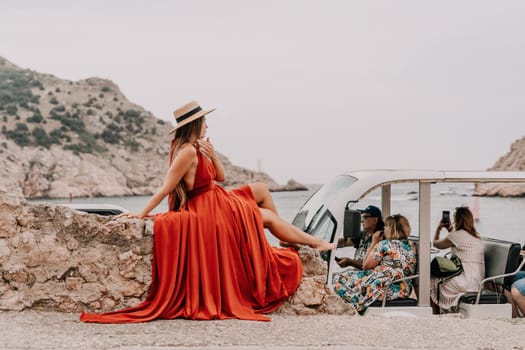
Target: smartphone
(445, 217)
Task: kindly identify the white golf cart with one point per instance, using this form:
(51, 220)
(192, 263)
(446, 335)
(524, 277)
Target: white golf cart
(330, 213)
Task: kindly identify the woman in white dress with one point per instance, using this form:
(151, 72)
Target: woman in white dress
(465, 242)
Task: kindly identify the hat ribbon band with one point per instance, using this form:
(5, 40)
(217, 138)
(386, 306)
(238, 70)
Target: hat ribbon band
(189, 114)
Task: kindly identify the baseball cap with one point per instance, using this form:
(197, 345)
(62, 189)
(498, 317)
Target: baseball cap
(372, 210)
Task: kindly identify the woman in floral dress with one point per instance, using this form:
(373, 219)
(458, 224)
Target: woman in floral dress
(387, 259)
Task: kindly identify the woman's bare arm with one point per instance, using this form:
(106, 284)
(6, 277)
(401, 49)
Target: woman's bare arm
(207, 148)
(344, 262)
(369, 262)
(443, 243)
(180, 166)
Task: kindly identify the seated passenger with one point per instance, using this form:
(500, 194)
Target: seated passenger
(517, 293)
(371, 221)
(387, 259)
(464, 242)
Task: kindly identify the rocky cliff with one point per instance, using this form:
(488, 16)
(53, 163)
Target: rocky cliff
(513, 160)
(84, 138)
(55, 258)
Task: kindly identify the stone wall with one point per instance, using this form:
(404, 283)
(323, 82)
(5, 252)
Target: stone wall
(55, 258)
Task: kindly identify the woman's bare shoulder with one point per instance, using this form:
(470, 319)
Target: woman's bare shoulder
(187, 149)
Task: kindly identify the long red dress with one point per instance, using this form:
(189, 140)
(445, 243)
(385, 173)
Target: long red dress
(211, 260)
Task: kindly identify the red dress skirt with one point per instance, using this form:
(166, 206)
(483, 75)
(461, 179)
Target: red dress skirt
(211, 260)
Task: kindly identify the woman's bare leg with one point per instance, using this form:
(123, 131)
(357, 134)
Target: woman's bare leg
(289, 233)
(264, 199)
(510, 299)
(262, 196)
(519, 301)
(435, 307)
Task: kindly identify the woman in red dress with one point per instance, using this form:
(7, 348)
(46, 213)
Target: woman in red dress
(211, 258)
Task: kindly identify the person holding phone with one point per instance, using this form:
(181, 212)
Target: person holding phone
(445, 219)
(465, 242)
(371, 221)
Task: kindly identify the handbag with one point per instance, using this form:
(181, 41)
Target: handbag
(445, 268)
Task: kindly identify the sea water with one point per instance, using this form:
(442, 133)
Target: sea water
(496, 217)
(287, 203)
(502, 218)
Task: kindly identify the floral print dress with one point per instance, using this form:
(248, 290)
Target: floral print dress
(397, 259)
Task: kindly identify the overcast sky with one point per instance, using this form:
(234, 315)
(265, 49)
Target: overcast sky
(303, 89)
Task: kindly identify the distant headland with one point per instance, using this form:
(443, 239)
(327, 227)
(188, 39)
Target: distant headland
(62, 138)
(514, 159)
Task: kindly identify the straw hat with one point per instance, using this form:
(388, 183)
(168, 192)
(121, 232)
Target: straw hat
(188, 113)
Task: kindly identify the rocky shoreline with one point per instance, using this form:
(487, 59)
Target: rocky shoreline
(57, 173)
(514, 160)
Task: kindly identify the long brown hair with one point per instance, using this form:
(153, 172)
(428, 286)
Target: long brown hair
(464, 220)
(399, 227)
(183, 135)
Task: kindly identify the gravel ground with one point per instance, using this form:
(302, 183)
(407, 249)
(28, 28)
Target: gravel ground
(50, 330)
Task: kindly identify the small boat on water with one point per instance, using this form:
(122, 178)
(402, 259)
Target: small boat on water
(451, 191)
(323, 215)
